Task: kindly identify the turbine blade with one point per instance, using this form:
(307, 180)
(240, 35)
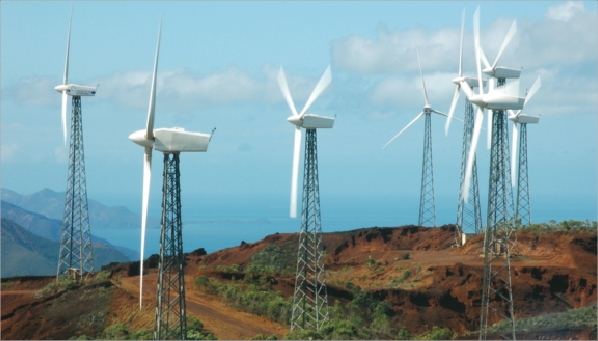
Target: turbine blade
(147, 177)
(149, 130)
(476, 38)
(532, 91)
(422, 77)
(402, 130)
(64, 107)
(461, 49)
(514, 154)
(284, 88)
(445, 115)
(322, 85)
(295, 174)
(452, 110)
(65, 77)
(477, 126)
(484, 58)
(506, 42)
(490, 114)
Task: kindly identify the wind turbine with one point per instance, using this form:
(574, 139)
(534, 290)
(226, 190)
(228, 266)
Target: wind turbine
(469, 215)
(171, 142)
(427, 205)
(75, 254)
(522, 210)
(309, 311)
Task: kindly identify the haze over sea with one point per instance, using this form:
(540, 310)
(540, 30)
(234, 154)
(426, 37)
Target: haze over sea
(210, 221)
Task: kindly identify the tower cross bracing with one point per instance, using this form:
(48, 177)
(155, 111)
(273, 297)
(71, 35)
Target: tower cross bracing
(427, 205)
(310, 300)
(171, 320)
(75, 255)
(469, 215)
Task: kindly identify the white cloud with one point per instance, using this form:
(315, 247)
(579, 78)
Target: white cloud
(9, 151)
(564, 12)
(35, 91)
(181, 89)
(396, 51)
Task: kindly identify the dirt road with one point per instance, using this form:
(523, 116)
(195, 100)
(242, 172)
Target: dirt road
(224, 322)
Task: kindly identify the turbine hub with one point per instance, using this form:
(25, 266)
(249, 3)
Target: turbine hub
(478, 100)
(139, 138)
(61, 88)
(296, 120)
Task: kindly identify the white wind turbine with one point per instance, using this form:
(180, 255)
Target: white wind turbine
(303, 120)
(501, 98)
(166, 140)
(73, 90)
(519, 118)
(427, 209)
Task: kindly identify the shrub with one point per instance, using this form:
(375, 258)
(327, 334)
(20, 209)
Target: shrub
(405, 256)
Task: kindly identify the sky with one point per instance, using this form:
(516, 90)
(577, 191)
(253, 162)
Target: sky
(218, 66)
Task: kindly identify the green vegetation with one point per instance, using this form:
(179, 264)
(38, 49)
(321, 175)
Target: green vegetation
(437, 334)
(569, 226)
(581, 317)
(272, 258)
(405, 256)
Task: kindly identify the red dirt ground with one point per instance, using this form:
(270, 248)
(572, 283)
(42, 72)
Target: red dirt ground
(551, 273)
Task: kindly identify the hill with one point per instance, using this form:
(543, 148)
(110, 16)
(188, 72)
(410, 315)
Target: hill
(27, 254)
(51, 204)
(382, 283)
(50, 228)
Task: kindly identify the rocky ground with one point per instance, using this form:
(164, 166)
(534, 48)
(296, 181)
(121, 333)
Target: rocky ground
(436, 285)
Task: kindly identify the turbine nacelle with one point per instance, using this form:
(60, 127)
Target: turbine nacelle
(312, 121)
(524, 119)
(502, 72)
(173, 140)
(77, 90)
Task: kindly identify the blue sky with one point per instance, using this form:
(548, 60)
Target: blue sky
(218, 65)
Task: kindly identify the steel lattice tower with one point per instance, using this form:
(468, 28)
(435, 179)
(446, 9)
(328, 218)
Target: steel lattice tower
(171, 320)
(310, 302)
(469, 215)
(76, 254)
(497, 293)
(523, 211)
(427, 205)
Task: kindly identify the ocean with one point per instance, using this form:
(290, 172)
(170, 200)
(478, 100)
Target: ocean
(215, 222)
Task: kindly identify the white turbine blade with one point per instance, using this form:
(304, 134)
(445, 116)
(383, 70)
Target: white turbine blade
(490, 114)
(64, 106)
(532, 91)
(149, 130)
(484, 58)
(445, 115)
(476, 38)
(295, 174)
(147, 177)
(284, 87)
(65, 77)
(512, 113)
(322, 85)
(514, 154)
(461, 49)
(402, 130)
(477, 126)
(452, 111)
(506, 42)
(422, 77)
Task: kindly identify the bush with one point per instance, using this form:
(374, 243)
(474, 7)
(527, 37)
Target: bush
(404, 334)
(405, 256)
(370, 262)
(116, 332)
(437, 334)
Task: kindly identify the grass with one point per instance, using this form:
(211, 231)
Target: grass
(580, 317)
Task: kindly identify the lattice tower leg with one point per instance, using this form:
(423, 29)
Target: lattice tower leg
(497, 294)
(523, 210)
(427, 205)
(171, 320)
(75, 255)
(469, 215)
(310, 301)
